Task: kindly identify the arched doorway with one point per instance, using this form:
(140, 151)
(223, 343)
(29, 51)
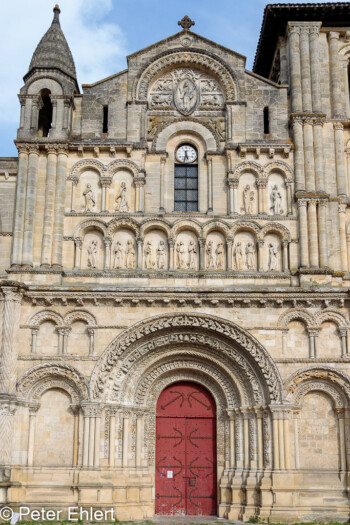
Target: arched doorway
(186, 481)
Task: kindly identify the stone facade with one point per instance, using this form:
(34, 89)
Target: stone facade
(110, 293)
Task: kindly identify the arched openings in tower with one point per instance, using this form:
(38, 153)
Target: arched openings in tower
(45, 113)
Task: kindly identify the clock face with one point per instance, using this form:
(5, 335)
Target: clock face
(186, 154)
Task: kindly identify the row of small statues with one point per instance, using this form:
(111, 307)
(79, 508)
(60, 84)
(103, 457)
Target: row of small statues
(249, 198)
(124, 255)
(89, 205)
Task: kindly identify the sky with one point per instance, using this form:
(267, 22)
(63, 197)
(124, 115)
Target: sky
(101, 33)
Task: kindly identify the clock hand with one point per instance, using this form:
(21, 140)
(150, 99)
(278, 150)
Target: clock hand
(186, 156)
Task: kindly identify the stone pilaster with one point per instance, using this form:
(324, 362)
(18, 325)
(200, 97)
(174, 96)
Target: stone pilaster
(46, 244)
(59, 208)
(336, 83)
(295, 68)
(30, 201)
(18, 223)
(303, 233)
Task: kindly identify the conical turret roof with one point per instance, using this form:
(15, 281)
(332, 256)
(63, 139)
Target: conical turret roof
(53, 51)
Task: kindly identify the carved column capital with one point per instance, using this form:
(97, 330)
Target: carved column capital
(232, 182)
(333, 35)
(106, 182)
(338, 126)
(342, 208)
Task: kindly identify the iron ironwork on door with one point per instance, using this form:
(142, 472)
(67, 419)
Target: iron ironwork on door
(186, 451)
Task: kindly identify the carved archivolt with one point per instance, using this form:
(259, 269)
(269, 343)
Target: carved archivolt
(296, 314)
(323, 378)
(314, 321)
(83, 165)
(235, 339)
(202, 129)
(79, 315)
(122, 222)
(281, 167)
(52, 375)
(119, 164)
(156, 224)
(250, 166)
(90, 224)
(176, 58)
(249, 226)
(213, 225)
(44, 316)
(187, 225)
(275, 227)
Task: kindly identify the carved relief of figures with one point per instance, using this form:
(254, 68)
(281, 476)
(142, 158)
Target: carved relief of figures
(276, 201)
(161, 256)
(250, 256)
(215, 255)
(248, 200)
(92, 254)
(192, 252)
(120, 200)
(89, 199)
(118, 256)
(273, 257)
(148, 259)
(189, 249)
(186, 96)
(130, 255)
(161, 100)
(238, 256)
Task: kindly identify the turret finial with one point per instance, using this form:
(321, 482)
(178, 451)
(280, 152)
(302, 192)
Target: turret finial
(56, 16)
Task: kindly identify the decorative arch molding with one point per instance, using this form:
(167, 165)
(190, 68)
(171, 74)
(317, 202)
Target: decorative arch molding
(46, 315)
(194, 58)
(85, 164)
(331, 315)
(44, 377)
(90, 224)
(119, 164)
(44, 79)
(204, 131)
(248, 165)
(235, 342)
(80, 315)
(275, 227)
(191, 225)
(325, 378)
(216, 225)
(123, 222)
(345, 51)
(250, 226)
(296, 314)
(281, 167)
(156, 224)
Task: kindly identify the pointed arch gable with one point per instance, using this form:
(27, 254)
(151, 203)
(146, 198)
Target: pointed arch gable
(228, 338)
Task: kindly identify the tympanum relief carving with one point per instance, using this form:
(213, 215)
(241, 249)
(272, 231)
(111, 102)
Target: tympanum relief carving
(186, 90)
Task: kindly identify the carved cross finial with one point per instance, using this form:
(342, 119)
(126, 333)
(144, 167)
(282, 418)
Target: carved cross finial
(186, 23)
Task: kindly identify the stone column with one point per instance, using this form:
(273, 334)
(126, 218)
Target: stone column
(139, 438)
(289, 185)
(28, 236)
(276, 456)
(59, 208)
(347, 152)
(267, 439)
(281, 442)
(259, 421)
(260, 243)
(239, 440)
(229, 243)
(125, 441)
(303, 233)
(67, 105)
(299, 168)
(91, 334)
(314, 30)
(35, 114)
(232, 440)
(232, 199)
(246, 439)
(139, 241)
(263, 196)
(342, 235)
(91, 441)
(54, 113)
(313, 333)
(22, 101)
(201, 243)
(319, 160)
(340, 157)
(34, 336)
(97, 439)
(341, 430)
(309, 155)
(285, 264)
(73, 196)
(253, 440)
(210, 184)
(171, 254)
(77, 258)
(295, 69)
(286, 440)
(313, 233)
(322, 232)
(108, 242)
(7, 412)
(305, 69)
(86, 438)
(75, 410)
(18, 219)
(336, 83)
(296, 439)
(162, 183)
(46, 243)
(284, 342)
(260, 197)
(31, 434)
(112, 423)
(343, 333)
(60, 332)
(139, 194)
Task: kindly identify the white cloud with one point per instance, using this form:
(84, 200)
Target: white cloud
(98, 45)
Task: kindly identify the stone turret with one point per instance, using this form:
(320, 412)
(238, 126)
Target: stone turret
(50, 84)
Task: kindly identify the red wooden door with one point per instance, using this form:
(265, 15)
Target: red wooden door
(186, 451)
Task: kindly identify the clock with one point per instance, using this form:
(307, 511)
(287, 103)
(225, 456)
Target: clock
(186, 154)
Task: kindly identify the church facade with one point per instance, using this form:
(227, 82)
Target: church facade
(175, 265)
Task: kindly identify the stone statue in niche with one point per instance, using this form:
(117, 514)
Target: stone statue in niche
(148, 259)
(120, 200)
(273, 257)
(118, 256)
(92, 254)
(276, 201)
(89, 199)
(248, 200)
(211, 255)
(250, 255)
(238, 256)
(180, 253)
(161, 254)
(130, 255)
(220, 256)
(192, 253)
